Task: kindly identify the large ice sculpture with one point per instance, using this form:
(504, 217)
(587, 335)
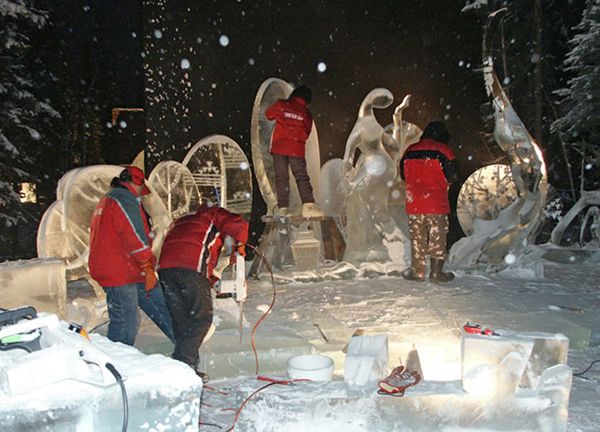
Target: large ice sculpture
(174, 184)
(261, 130)
(509, 233)
(64, 229)
(222, 173)
(372, 234)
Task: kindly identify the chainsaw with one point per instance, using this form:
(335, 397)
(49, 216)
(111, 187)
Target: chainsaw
(236, 287)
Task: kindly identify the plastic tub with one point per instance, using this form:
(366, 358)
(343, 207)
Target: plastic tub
(311, 367)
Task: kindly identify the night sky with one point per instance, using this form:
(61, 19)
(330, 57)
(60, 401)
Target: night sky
(429, 49)
(408, 47)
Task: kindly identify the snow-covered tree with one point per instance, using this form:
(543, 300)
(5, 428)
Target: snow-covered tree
(579, 125)
(26, 115)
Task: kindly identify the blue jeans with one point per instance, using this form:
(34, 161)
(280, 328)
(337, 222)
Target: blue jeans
(123, 302)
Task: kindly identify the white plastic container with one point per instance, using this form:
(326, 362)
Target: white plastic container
(311, 367)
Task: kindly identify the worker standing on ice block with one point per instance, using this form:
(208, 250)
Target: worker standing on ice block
(188, 257)
(293, 124)
(121, 258)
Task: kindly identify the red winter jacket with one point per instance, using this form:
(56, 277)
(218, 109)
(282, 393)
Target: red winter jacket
(428, 168)
(293, 123)
(119, 238)
(194, 240)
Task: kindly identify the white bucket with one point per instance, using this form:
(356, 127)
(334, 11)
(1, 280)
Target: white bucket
(311, 367)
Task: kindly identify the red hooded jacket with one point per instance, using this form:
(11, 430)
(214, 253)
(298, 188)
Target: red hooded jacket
(428, 168)
(119, 238)
(293, 123)
(194, 240)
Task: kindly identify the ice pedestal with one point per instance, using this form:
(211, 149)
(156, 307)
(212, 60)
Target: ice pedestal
(366, 363)
(40, 283)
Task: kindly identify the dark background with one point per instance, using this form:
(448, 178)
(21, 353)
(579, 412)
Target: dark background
(128, 53)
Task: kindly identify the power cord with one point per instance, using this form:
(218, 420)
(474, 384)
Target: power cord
(113, 370)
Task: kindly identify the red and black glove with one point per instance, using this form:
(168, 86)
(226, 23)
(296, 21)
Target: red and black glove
(148, 272)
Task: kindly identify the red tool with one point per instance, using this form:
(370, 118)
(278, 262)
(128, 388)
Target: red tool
(477, 329)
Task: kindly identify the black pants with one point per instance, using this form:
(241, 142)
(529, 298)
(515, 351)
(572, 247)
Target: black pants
(189, 300)
(282, 179)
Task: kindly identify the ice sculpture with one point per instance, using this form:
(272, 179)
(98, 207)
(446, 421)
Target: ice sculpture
(261, 130)
(492, 240)
(486, 192)
(221, 173)
(64, 229)
(372, 234)
(174, 184)
(589, 200)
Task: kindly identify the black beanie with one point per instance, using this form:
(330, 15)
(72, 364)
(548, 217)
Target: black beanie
(436, 131)
(303, 92)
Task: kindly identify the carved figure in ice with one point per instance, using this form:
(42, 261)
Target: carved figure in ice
(372, 234)
(493, 240)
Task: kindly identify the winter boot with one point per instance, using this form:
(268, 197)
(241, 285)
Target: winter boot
(412, 275)
(311, 210)
(284, 211)
(437, 274)
(398, 381)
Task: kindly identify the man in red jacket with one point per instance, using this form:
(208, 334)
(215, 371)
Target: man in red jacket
(188, 257)
(121, 258)
(428, 167)
(293, 123)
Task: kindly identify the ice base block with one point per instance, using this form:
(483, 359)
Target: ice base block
(223, 356)
(428, 406)
(162, 394)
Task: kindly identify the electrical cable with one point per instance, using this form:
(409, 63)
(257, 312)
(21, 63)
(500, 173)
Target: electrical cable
(580, 374)
(98, 326)
(262, 257)
(113, 370)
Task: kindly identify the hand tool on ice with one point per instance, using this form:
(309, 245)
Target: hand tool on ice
(478, 330)
(237, 286)
(321, 332)
(572, 309)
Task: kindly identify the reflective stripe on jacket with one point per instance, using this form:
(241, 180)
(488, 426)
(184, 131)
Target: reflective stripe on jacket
(428, 168)
(293, 123)
(119, 238)
(194, 240)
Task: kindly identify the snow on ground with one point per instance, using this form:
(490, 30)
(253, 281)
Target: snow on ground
(428, 316)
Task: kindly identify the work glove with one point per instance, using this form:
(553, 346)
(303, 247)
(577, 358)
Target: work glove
(148, 272)
(241, 249)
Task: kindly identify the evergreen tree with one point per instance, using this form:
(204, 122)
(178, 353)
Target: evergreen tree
(27, 117)
(579, 125)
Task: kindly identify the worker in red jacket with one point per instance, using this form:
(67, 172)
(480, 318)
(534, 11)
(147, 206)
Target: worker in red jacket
(428, 167)
(188, 257)
(293, 124)
(121, 258)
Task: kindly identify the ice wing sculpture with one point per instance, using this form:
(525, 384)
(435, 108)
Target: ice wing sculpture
(492, 240)
(372, 234)
(261, 130)
(222, 173)
(64, 229)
